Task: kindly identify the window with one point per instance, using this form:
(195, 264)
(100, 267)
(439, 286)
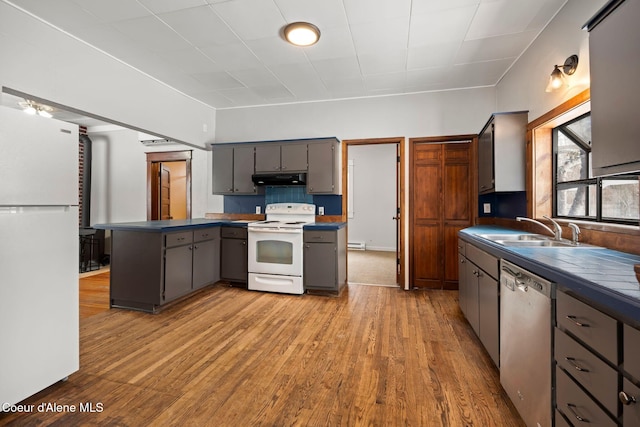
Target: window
(577, 193)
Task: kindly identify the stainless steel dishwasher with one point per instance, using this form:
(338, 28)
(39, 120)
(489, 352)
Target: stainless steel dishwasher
(526, 309)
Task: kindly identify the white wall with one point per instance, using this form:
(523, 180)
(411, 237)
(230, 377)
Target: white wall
(119, 177)
(45, 62)
(523, 87)
(423, 114)
(374, 196)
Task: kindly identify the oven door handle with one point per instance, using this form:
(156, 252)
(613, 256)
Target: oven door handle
(276, 230)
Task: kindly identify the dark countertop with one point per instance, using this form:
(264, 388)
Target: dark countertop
(169, 225)
(603, 277)
(325, 226)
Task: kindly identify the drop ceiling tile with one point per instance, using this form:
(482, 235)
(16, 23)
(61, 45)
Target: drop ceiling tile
(217, 80)
(373, 37)
(251, 19)
(232, 56)
(421, 7)
(64, 14)
(214, 98)
(444, 26)
(200, 26)
(426, 78)
(164, 6)
(255, 77)
(302, 80)
(241, 96)
(274, 92)
(391, 81)
(274, 50)
(435, 55)
(502, 17)
(335, 42)
(323, 14)
(113, 10)
(383, 62)
(337, 68)
(151, 33)
(491, 48)
(345, 88)
(191, 61)
(479, 73)
(546, 11)
(184, 83)
(367, 11)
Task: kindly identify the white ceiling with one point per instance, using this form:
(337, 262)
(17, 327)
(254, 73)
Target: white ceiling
(229, 53)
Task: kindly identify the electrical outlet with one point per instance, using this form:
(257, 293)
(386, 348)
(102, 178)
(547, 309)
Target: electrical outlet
(320, 210)
(258, 209)
(486, 208)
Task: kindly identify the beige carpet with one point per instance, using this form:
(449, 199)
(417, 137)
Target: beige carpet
(372, 267)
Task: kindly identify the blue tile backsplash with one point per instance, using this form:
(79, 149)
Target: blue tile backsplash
(504, 205)
(247, 204)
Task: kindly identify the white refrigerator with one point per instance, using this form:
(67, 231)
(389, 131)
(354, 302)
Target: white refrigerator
(39, 261)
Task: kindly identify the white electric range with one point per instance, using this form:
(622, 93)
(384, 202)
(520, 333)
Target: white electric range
(276, 248)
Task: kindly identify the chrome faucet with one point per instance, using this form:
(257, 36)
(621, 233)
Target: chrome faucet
(557, 234)
(575, 233)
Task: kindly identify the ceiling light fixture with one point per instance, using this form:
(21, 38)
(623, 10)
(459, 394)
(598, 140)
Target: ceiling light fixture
(557, 78)
(301, 34)
(32, 107)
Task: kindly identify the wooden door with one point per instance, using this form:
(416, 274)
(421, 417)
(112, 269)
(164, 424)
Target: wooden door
(165, 192)
(441, 205)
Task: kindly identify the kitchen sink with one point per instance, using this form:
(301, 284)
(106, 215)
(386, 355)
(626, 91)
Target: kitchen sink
(546, 243)
(513, 237)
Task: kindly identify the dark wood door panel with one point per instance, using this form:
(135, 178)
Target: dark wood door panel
(426, 202)
(456, 192)
(427, 259)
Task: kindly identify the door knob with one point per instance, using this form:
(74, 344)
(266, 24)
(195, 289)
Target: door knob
(626, 399)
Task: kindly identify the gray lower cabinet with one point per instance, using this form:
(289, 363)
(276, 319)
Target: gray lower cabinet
(234, 253)
(150, 269)
(586, 353)
(325, 260)
(479, 295)
(630, 393)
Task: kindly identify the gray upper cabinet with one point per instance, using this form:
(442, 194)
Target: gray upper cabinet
(323, 173)
(501, 153)
(614, 67)
(233, 166)
(281, 158)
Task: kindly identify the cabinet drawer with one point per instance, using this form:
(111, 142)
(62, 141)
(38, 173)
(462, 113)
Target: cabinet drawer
(594, 328)
(320, 236)
(233, 232)
(486, 262)
(631, 351)
(206, 234)
(576, 405)
(593, 374)
(177, 239)
(462, 245)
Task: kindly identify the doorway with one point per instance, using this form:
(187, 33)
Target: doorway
(373, 206)
(169, 185)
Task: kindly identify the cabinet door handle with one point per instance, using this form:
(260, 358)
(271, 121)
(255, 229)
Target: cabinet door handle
(626, 399)
(195, 247)
(572, 408)
(190, 248)
(461, 261)
(573, 319)
(572, 362)
(244, 242)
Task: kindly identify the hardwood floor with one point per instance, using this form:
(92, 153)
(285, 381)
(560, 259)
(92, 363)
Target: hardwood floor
(94, 294)
(230, 357)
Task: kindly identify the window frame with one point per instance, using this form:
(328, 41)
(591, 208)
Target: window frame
(588, 181)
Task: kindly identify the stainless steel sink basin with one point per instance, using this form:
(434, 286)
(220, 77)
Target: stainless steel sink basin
(513, 237)
(547, 243)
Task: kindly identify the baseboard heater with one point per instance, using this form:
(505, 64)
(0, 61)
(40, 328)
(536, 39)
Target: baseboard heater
(356, 245)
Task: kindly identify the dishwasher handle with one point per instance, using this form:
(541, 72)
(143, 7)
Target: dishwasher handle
(516, 274)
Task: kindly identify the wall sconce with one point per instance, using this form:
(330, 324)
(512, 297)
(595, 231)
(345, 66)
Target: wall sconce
(557, 78)
(31, 107)
(301, 34)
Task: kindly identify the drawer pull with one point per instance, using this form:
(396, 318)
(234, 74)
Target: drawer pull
(573, 363)
(572, 408)
(626, 399)
(573, 319)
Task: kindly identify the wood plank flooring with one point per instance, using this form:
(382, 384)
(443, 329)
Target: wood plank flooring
(374, 356)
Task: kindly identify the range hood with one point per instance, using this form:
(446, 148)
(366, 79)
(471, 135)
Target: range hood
(279, 178)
